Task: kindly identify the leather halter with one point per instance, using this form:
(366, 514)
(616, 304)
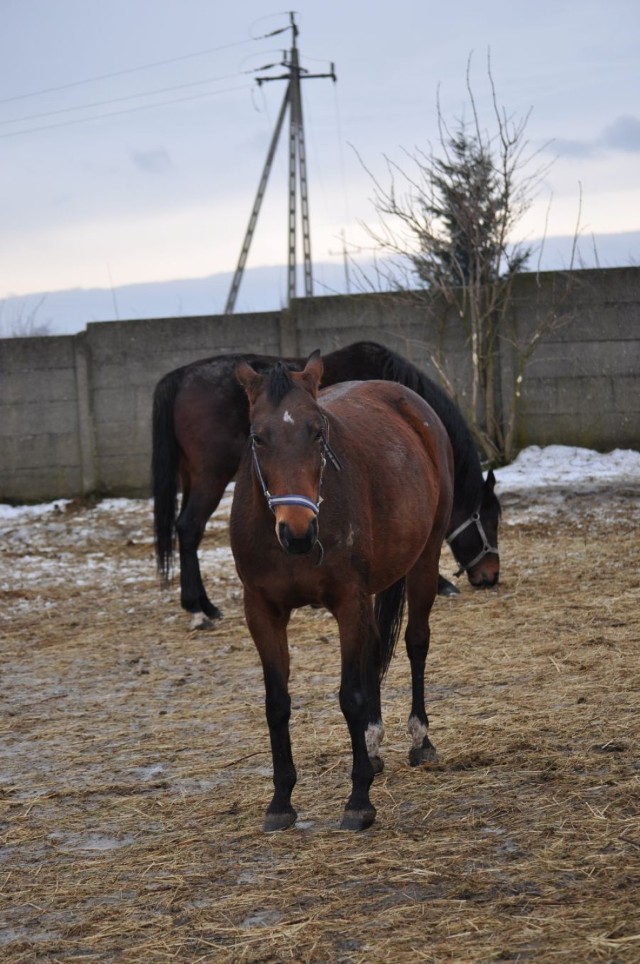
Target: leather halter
(474, 519)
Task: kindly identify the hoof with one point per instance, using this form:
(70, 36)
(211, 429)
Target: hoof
(446, 588)
(377, 763)
(279, 821)
(358, 819)
(202, 620)
(424, 754)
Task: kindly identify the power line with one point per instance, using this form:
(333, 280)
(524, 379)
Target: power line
(132, 70)
(125, 110)
(117, 100)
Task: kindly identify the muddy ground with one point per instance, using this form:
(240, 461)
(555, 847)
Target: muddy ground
(135, 766)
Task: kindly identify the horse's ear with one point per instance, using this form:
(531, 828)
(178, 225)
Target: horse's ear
(490, 482)
(249, 379)
(312, 373)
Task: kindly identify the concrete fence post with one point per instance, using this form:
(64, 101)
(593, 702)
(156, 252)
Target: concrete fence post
(288, 333)
(86, 426)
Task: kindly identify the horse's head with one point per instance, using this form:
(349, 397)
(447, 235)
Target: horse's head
(289, 443)
(474, 542)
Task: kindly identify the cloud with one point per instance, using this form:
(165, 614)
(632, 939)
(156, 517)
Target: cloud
(569, 148)
(622, 135)
(152, 162)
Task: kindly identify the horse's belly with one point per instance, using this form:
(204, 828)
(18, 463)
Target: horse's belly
(395, 558)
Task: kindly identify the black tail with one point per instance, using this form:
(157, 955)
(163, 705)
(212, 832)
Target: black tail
(389, 609)
(164, 471)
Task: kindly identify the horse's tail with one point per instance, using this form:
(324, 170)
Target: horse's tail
(389, 609)
(164, 471)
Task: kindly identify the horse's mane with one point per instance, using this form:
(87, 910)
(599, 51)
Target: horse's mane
(278, 382)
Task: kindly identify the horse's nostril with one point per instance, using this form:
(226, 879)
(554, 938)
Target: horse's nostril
(298, 545)
(283, 534)
(486, 582)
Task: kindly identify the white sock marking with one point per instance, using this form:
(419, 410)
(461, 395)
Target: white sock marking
(374, 735)
(417, 730)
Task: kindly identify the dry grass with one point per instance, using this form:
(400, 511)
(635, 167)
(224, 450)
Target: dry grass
(136, 770)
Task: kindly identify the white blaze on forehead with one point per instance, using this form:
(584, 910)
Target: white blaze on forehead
(287, 418)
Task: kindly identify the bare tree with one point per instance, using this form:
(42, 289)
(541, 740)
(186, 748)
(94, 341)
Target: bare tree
(448, 230)
(24, 324)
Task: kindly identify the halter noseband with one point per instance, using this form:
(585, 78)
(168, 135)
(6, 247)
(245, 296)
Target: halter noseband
(274, 501)
(474, 519)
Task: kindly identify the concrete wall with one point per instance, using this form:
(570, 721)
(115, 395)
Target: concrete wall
(40, 439)
(126, 361)
(583, 381)
(75, 411)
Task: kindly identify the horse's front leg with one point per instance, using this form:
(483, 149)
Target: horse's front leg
(196, 509)
(268, 628)
(359, 692)
(421, 592)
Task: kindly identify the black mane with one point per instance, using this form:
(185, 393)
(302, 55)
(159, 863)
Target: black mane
(369, 359)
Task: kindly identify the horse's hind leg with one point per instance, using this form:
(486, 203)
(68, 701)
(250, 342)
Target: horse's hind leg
(374, 734)
(421, 592)
(359, 690)
(198, 504)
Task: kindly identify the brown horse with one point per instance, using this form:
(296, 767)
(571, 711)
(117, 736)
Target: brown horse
(200, 428)
(342, 495)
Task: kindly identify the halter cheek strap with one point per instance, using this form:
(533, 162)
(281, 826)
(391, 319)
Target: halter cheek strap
(474, 519)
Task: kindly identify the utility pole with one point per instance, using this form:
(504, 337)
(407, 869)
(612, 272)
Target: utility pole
(297, 175)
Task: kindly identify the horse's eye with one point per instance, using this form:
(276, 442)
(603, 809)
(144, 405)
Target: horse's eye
(257, 439)
(319, 436)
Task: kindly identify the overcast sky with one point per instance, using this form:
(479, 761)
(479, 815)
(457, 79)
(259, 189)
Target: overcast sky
(138, 193)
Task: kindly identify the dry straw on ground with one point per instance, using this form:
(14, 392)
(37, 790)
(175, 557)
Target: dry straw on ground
(136, 767)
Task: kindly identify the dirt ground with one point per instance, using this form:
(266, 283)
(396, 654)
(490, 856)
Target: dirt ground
(135, 764)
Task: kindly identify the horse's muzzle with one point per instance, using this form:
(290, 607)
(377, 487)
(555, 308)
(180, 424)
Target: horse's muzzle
(295, 544)
(486, 573)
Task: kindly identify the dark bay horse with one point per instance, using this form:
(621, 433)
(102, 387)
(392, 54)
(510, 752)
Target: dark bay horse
(200, 426)
(342, 496)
